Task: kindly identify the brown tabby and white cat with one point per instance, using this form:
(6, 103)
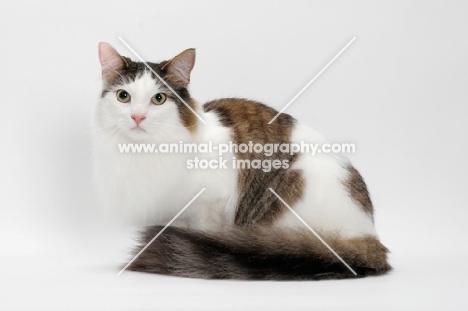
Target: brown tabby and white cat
(237, 228)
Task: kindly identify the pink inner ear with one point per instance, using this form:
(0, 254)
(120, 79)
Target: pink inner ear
(111, 61)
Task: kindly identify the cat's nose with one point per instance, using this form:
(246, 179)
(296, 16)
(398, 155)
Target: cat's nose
(138, 118)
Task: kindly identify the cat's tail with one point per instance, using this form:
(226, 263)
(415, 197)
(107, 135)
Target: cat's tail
(257, 254)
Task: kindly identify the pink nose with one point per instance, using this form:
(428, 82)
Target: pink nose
(138, 118)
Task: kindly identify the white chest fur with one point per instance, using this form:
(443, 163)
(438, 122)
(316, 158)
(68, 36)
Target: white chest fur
(151, 188)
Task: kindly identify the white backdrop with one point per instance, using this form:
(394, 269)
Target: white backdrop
(400, 93)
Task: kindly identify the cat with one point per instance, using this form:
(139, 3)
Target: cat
(237, 228)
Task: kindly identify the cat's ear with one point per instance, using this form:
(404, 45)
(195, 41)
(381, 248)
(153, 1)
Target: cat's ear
(111, 62)
(179, 68)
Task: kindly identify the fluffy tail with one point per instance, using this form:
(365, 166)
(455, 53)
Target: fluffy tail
(257, 254)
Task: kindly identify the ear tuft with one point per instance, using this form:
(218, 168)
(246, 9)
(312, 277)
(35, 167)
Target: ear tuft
(111, 62)
(179, 68)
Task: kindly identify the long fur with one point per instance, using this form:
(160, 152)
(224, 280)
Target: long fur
(265, 241)
(257, 254)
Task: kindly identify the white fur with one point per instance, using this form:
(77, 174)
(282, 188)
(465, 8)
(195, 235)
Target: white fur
(326, 204)
(152, 188)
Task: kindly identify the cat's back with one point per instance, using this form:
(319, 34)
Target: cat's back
(234, 108)
(321, 183)
(249, 120)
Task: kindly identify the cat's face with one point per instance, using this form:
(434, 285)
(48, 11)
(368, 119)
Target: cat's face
(137, 105)
(140, 108)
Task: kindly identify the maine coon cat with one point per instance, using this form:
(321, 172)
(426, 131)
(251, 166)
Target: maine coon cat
(237, 228)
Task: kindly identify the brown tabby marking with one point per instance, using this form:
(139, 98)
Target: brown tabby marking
(358, 190)
(249, 122)
(258, 253)
(188, 118)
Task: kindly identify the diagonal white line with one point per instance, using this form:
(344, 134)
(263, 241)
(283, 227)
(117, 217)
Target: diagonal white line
(313, 231)
(161, 79)
(313, 79)
(159, 233)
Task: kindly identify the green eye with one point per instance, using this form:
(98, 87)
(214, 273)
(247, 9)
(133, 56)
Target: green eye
(158, 99)
(123, 96)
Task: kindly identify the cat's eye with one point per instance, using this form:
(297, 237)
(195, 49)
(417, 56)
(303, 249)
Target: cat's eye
(158, 99)
(123, 96)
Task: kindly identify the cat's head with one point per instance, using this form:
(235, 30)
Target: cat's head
(136, 104)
